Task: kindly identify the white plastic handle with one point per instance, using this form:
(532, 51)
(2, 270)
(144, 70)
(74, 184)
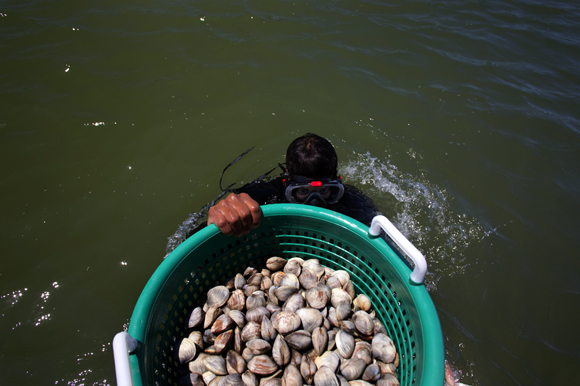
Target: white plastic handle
(123, 345)
(418, 274)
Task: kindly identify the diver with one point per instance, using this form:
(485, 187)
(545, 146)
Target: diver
(310, 178)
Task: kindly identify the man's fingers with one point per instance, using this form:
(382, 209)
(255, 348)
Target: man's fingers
(217, 218)
(254, 208)
(236, 215)
(241, 213)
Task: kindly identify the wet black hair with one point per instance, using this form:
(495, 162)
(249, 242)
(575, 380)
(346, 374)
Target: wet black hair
(311, 156)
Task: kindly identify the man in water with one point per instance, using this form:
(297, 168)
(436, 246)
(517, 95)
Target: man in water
(311, 178)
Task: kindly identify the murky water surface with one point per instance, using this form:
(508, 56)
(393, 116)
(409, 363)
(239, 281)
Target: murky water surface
(459, 118)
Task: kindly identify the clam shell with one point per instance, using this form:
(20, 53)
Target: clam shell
(251, 330)
(211, 315)
(379, 328)
(308, 368)
(222, 323)
(293, 266)
(277, 278)
(363, 350)
(363, 323)
(217, 296)
(315, 266)
(237, 300)
(342, 380)
(255, 279)
(333, 282)
(231, 380)
(308, 278)
(332, 317)
(257, 299)
(331, 339)
(325, 377)
(196, 317)
(386, 368)
(319, 340)
(259, 346)
(299, 340)
(256, 314)
(348, 326)
(316, 297)
(286, 321)
(265, 273)
(388, 380)
(271, 382)
(235, 363)
(344, 344)
(223, 341)
(247, 354)
(266, 283)
(329, 359)
(343, 311)
(353, 369)
(249, 378)
(273, 307)
(238, 342)
(383, 348)
(359, 382)
(290, 279)
(197, 366)
(342, 276)
(197, 338)
(362, 302)
(275, 263)
(239, 281)
(372, 373)
(310, 317)
(294, 303)
(185, 350)
(238, 317)
(208, 376)
(250, 289)
(249, 271)
(208, 337)
(292, 376)
(281, 351)
(340, 295)
(284, 292)
(272, 295)
(216, 364)
(296, 357)
(349, 288)
(267, 330)
(262, 365)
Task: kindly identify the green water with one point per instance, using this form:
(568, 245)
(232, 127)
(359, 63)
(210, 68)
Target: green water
(460, 119)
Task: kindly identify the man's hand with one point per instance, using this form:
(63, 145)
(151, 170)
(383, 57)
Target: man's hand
(236, 215)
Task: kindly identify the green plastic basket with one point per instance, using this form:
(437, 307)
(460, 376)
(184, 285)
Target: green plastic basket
(287, 230)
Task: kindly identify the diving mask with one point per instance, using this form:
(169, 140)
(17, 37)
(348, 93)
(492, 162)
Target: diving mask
(302, 190)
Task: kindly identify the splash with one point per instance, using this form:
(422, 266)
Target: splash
(421, 211)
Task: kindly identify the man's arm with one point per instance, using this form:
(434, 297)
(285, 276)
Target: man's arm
(236, 215)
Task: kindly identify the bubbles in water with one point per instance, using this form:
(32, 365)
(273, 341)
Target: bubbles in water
(420, 210)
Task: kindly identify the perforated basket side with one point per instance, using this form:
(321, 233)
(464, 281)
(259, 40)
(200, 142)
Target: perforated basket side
(209, 258)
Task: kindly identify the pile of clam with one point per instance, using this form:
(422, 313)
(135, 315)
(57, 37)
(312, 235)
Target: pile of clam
(292, 323)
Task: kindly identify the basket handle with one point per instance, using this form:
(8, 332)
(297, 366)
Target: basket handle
(418, 274)
(123, 345)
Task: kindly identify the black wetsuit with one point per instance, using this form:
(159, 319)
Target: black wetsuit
(353, 203)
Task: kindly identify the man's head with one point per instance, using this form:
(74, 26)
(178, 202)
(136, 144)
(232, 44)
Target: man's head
(312, 170)
(311, 156)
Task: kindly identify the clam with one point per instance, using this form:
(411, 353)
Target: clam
(294, 303)
(284, 292)
(295, 357)
(316, 297)
(325, 377)
(257, 299)
(307, 368)
(277, 278)
(292, 376)
(386, 368)
(308, 278)
(249, 378)
(342, 276)
(348, 326)
(388, 380)
(372, 373)
(231, 380)
(222, 323)
(359, 382)
(250, 289)
(235, 363)
(289, 279)
(363, 350)
(329, 359)
(249, 271)
(217, 296)
(237, 300)
(332, 317)
(383, 348)
(238, 317)
(208, 376)
(197, 366)
(293, 266)
(281, 352)
(349, 288)
(275, 263)
(271, 382)
(238, 342)
(299, 340)
(363, 323)
(251, 330)
(259, 346)
(353, 369)
(196, 337)
(315, 266)
(340, 295)
(310, 317)
(344, 344)
(273, 307)
(342, 380)
(267, 330)
(379, 328)
(255, 280)
(247, 354)
(216, 364)
(196, 317)
(185, 350)
(286, 321)
(211, 315)
(256, 314)
(239, 281)
(208, 337)
(362, 302)
(262, 365)
(343, 311)
(265, 273)
(319, 340)
(266, 283)
(223, 341)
